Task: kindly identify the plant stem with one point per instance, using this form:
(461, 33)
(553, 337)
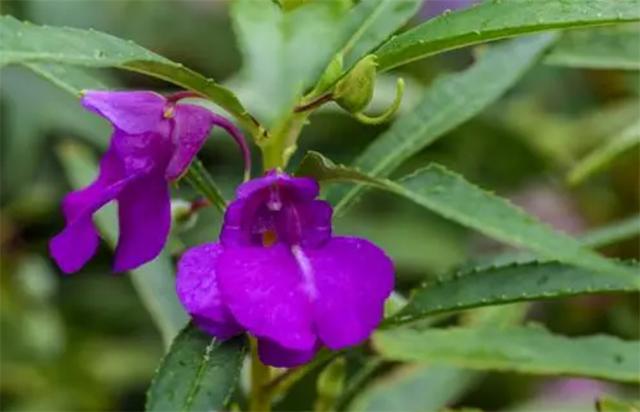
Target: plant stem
(260, 400)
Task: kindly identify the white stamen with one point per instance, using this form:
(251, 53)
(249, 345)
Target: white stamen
(307, 271)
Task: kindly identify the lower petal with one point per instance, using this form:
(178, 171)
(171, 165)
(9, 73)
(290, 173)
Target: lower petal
(144, 213)
(272, 354)
(352, 277)
(197, 288)
(263, 289)
(77, 243)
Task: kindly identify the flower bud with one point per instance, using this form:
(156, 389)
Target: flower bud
(354, 92)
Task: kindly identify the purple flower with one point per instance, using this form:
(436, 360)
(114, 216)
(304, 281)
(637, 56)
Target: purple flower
(154, 140)
(280, 274)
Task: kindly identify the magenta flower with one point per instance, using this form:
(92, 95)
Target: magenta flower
(153, 142)
(280, 274)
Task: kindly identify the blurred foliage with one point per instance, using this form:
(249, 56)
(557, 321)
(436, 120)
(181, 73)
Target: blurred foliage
(85, 342)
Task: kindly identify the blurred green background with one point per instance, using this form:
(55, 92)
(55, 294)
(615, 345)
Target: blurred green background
(85, 342)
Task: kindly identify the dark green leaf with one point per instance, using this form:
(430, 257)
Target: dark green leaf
(28, 43)
(199, 373)
(512, 283)
(153, 281)
(449, 102)
(520, 349)
(610, 48)
(494, 20)
(451, 196)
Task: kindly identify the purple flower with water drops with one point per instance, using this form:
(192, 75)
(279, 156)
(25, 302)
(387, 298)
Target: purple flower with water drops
(153, 142)
(280, 274)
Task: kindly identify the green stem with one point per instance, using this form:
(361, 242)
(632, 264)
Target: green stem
(260, 399)
(198, 177)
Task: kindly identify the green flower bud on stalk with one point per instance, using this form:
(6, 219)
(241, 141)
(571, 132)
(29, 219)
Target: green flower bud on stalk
(354, 92)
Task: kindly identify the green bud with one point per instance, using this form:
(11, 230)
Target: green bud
(330, 384)
(288, 5)
(354, 92)
(182, 214)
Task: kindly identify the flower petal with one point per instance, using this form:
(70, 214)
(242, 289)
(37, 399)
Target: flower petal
(302, 188)
(75, 245)
(272, 354)
(192, 126)
(144, 152)
(197, 287)
(132, 112)
(263, 289)
(144, 213)
(352, 277)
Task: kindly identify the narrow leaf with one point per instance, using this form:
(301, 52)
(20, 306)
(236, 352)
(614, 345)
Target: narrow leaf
(520, 349)
(609, 48)
(494, 20)
(23, 42)
(199, 373)
(605, 154)
(612, 233)
(511, 283)
(451, 196)
(449, 102)
(154, 282)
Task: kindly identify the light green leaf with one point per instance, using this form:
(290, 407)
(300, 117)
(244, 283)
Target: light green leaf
(494, 20)
(605, 154)
(23, 42)
(449, 102)
(371, 22)
(283, 53)
(451, 196)
(608, 404)
(511, 283)
(609, 48)
(199, 373)
(612, 233)
(154, 282)
(415, 389)
(520, 349)
(72, 79)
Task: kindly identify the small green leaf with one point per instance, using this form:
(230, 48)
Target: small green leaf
(605, 154)
(24, 42)
(154, 282)
(609, 48)
(199, 373)
(451, 196)
(449, 102)
(520, 349)
(511, 283)
(494, 20)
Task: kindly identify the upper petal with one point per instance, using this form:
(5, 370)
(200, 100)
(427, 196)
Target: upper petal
(302, 188)
(144, 213)
(352, 278)
(133, 112)
(192, 126)
(75, 245)
(262, 287)
(197, 288)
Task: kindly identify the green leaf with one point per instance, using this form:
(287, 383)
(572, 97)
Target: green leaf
(72, 79)
(415, 388)
(28, 43)
(497, 20)
(199, 373)
(612, 233)
(605, 154)
(371, 22)
(520, 349)
(511, 283)
(154, 282)
(449, 102)
(283, 53)
(608, 404)
(608, 48)
(451, 196)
